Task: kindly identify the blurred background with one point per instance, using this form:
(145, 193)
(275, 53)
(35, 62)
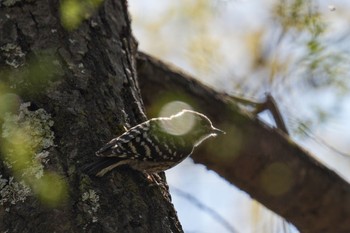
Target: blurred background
(295, 50)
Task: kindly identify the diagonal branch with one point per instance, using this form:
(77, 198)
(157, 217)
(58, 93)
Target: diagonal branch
(215, 215)
(262, 161)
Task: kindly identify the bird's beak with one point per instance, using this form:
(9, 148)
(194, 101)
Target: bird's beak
(217, 131)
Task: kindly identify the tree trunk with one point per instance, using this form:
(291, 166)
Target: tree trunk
(91, 94)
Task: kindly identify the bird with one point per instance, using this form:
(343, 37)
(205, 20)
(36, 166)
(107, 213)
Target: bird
(155, 145)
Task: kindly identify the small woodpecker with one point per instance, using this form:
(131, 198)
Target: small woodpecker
(155, 145)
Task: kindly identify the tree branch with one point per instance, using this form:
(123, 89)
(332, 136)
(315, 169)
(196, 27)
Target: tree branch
(262, 161)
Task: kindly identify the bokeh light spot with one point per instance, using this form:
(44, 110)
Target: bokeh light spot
(277, 179)
(25, 146)
(18, 150)
(9, 102)
(51, 189)
(173, 107)
(71, 14)
(177, 126)
(226, 147)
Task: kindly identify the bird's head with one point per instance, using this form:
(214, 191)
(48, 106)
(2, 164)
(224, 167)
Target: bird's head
(199, 127)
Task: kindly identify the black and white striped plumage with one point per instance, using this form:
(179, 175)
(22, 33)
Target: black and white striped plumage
(154, 145)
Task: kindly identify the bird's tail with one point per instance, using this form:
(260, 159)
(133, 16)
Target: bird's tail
(101, 166)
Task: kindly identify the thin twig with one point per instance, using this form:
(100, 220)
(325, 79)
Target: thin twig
(268, 104)
(192, 199)
(307, 131)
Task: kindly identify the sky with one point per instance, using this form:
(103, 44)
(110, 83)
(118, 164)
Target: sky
(219, 42)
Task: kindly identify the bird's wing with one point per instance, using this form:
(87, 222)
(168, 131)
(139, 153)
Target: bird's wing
(100, 166)
(124, 146)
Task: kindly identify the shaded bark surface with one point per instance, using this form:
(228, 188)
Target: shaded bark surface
(262, 161)
(93, 96)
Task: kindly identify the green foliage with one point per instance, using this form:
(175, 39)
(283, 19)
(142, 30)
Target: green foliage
(299, 15)
(288, 44)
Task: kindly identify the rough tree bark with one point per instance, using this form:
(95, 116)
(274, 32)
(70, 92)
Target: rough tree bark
(262, 161)
(94, 94)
